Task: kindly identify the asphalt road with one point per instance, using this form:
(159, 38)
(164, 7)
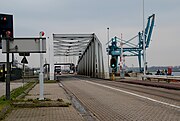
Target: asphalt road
(116, 101)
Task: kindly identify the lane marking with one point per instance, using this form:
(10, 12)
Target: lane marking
(134, 94)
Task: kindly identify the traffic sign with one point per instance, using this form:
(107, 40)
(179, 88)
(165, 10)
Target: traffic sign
(24, 60)
(25, 45)
(24, 54)
(41, 34)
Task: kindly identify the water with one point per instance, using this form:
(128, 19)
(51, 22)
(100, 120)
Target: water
(176, 73)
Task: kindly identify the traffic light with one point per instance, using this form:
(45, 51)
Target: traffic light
(113, 62)
(6, 26)
(114, 42)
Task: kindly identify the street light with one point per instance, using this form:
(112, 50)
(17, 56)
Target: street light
(144, 49)
(108, 47)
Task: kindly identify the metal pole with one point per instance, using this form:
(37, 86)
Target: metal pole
(12, 59)
(41, 75)
(4, 78)
(121, 60)
(51, 61)
(23, 74)
(8, 71)
(108, 47)
(144, 49)
(48, 70)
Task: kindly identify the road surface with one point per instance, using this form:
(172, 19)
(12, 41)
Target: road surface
(116, 101)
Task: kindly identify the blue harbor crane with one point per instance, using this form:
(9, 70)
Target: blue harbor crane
(131, 48)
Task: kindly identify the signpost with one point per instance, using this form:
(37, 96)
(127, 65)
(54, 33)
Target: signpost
(24, 61)
(6, 33)
(25, 46)
(8, 69)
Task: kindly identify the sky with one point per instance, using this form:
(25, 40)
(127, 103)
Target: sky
(94, 16)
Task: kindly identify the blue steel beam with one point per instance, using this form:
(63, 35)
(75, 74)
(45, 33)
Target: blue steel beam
(150, 30)
(134, 49)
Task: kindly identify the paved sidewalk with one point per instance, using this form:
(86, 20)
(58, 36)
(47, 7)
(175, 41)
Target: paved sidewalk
(52, 91)
(13, 85)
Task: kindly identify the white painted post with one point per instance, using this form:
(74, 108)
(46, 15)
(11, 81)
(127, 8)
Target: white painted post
(41, 75)
(51, 51)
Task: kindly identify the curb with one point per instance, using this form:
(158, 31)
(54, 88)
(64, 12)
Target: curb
(31, 104)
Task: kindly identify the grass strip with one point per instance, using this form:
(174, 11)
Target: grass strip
(6, 105)
(50, 81)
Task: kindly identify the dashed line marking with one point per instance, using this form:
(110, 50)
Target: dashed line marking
(134, 94)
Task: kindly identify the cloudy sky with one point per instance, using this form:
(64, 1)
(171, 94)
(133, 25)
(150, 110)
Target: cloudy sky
(94, 16)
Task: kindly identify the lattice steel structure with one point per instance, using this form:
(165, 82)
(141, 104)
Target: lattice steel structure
(87, 47)
(70, 44)
(133, 47)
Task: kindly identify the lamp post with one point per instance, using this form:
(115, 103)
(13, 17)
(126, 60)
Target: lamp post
(121, 60)
(144, 48)
(108, 47)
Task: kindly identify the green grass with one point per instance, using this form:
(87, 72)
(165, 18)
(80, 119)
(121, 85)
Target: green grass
(18, 91)
(4, 102)
(50, 81)
(14, 94)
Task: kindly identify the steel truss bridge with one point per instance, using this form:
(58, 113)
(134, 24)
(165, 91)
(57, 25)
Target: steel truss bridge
(87, 47)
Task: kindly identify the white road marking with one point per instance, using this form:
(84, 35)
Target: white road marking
(147, 98)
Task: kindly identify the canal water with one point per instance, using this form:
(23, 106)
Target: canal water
(176, 73)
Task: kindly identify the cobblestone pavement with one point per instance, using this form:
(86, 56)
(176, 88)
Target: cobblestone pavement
(44, 114)
(109, 104)
(52, 91)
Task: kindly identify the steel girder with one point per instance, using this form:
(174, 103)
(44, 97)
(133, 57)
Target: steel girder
(91, 61)
(87, 47)
(70, 44)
